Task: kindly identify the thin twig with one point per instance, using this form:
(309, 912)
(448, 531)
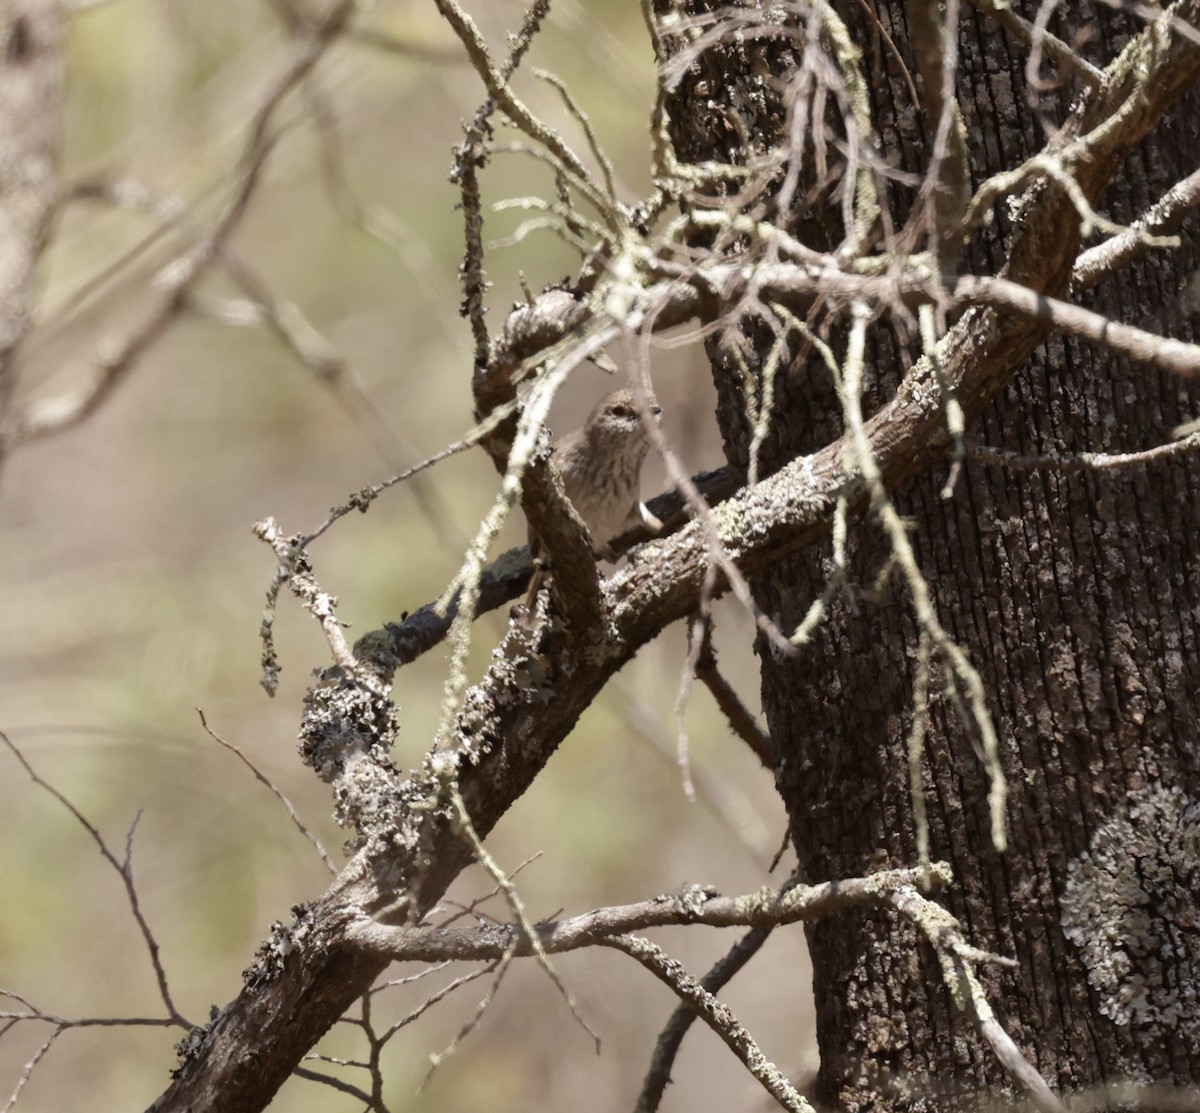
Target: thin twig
(1084, 461)
(30, 1067)
(338, 1084)
(438, 1058)
(501, 92)
(717, 1016)
(274, 789)
(433, 999)
(697, 632)
(670, 1040)
(958, 665)
(741, 721)
(469, 909)
(916, 747)
(124, 870)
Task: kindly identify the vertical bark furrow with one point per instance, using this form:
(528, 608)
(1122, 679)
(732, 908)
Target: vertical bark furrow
(1053, 582)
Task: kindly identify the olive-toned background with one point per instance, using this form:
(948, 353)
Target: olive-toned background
(133, 587)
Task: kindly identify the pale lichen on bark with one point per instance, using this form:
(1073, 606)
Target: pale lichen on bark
(1130, 906)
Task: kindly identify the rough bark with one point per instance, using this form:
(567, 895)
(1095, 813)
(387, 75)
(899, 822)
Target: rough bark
(1076, 595)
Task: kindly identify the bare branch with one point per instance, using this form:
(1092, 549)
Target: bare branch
(469, 158)
(501, 92)
(1163, 217)
(125, 872)
(259, 775)
(671, 1039)
(946, 189)
(1025, 32)
(716, 1015)
(30, 1067)
(693, 905)
(338, 1084)
(957, 958)
(1085, 461)
(743, 724)
(295, 569)
(1144, 347)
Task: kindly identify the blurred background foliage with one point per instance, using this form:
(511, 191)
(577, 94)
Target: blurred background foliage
(134, 588)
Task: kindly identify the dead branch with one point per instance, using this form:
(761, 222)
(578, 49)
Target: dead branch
(741, 721)
(124, 870)
(716, 1015)
(667, 1048)
(693, 905)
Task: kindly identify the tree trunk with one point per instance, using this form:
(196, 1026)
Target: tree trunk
(1073, 590)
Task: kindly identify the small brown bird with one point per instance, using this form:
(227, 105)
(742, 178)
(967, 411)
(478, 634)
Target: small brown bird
(601, 463)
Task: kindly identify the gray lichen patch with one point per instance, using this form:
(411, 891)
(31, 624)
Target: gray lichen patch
(1130, 906)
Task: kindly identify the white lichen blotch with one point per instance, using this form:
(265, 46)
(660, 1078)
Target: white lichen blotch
(1130, 906)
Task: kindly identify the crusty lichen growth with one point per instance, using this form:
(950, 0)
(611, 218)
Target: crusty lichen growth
(273, 951)
(346, 735)
(1130, 906)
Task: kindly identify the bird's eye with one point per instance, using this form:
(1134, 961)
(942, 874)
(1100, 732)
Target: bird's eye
(621, 411)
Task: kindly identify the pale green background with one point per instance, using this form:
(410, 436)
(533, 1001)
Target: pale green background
(133, 586)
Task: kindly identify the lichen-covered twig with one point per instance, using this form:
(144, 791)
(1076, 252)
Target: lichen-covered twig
(658, 1076)
(295, 570)
(719, 1017)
